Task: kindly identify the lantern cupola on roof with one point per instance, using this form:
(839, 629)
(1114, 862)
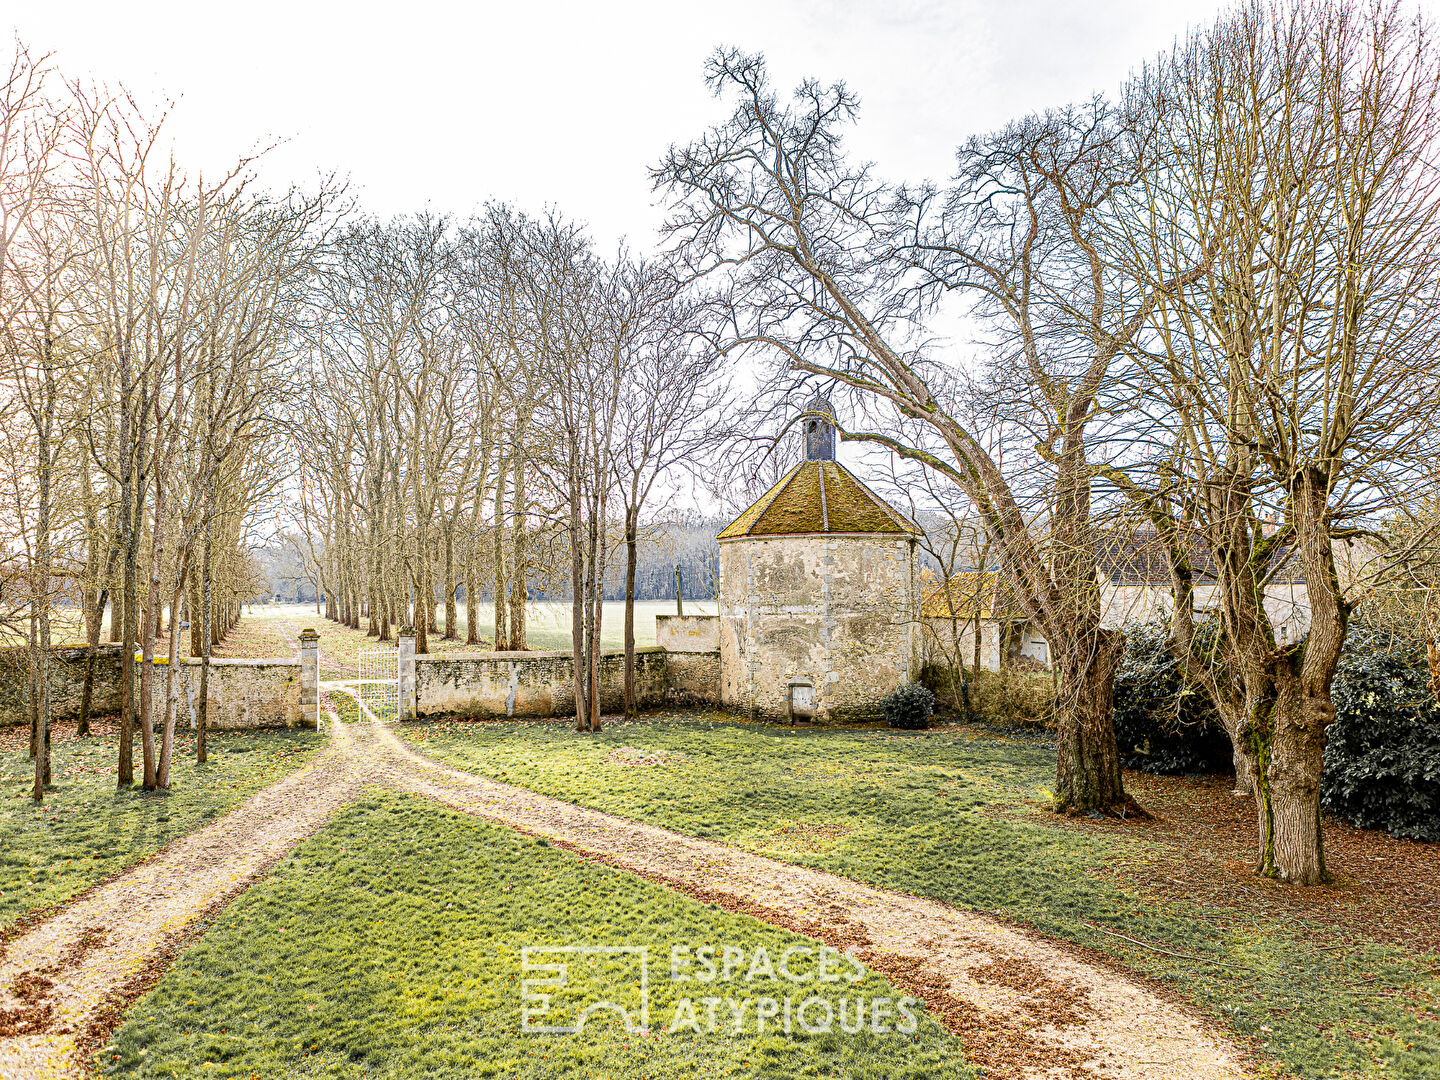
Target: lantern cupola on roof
(819, 427)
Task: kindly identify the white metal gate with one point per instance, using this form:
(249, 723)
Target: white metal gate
(379, 680)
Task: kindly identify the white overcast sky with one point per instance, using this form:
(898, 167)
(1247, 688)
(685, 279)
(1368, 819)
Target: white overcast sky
(446, 105)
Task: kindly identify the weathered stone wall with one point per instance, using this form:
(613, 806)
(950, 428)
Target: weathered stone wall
(67, 681)
(692, 657)
(840, 610)
(688, 633)
(693, 678)
(529, 683)
(243, 693)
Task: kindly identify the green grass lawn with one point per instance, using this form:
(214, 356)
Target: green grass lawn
(955, 816)
(86, 830)
(389, 945)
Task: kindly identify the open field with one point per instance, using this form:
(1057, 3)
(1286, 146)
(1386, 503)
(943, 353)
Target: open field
(270, 629)
(1332, 981)
(548, 622)
(87, 831)
(388, 945)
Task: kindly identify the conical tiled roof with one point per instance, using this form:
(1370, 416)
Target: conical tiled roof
(818, 497)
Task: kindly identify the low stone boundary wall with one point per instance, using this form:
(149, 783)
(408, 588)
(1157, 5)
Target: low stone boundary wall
(67, 682)
(693, 678)
(529, 683)
(242, 693)
(692, 657)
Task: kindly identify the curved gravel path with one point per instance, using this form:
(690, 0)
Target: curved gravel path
(1026, 1008)
(71, 972)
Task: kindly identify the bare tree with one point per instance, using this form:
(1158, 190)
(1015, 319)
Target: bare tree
(35, 275)
(1295, 384)
(826, 273)
(670, 407)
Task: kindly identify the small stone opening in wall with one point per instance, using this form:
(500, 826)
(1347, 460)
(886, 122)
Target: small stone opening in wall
(800, 699)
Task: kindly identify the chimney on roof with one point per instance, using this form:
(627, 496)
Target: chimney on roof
(819, 427)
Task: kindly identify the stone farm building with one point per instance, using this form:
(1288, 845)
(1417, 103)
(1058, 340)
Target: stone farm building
(1134, 587)
(818, 598)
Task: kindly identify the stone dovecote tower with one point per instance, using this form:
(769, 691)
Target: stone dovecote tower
(819, 601)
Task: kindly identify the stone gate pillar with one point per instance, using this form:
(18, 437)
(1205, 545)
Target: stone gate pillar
(405, 706)
(310, 677)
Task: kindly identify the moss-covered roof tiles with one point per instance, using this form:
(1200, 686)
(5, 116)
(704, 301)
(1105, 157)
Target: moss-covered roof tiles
(818, 497)
(966, 591)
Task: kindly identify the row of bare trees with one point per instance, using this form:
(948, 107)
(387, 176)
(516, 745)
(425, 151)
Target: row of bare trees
(1209, 306)
(487, 402)
(147, 331)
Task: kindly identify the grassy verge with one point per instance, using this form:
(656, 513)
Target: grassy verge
(86, 830)
(955, 816)
(389, 945)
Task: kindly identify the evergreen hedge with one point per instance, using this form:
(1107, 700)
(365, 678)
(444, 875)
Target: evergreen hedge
(909, 707)
(1382, 754)
(1160, 726)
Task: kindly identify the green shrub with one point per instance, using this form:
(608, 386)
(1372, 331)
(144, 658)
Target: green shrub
(1382, 753)
(1161, 726)
(909, 707)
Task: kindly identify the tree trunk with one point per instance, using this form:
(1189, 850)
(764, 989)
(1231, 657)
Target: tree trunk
(40, 593)
(153, 611)
(129, 604)
(1297, 760)
(42, 702)
(1286, 736)
(424, 592)
(472, 605)
(577, 598)
(451, 614)
(372, 601)
(172, 674)
(147, 727)
(87, 690)
(207, 602)
(1088, 765)
(631, 558)
(194, 609)
(497, 541)
(598, 607)
(518, 568)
